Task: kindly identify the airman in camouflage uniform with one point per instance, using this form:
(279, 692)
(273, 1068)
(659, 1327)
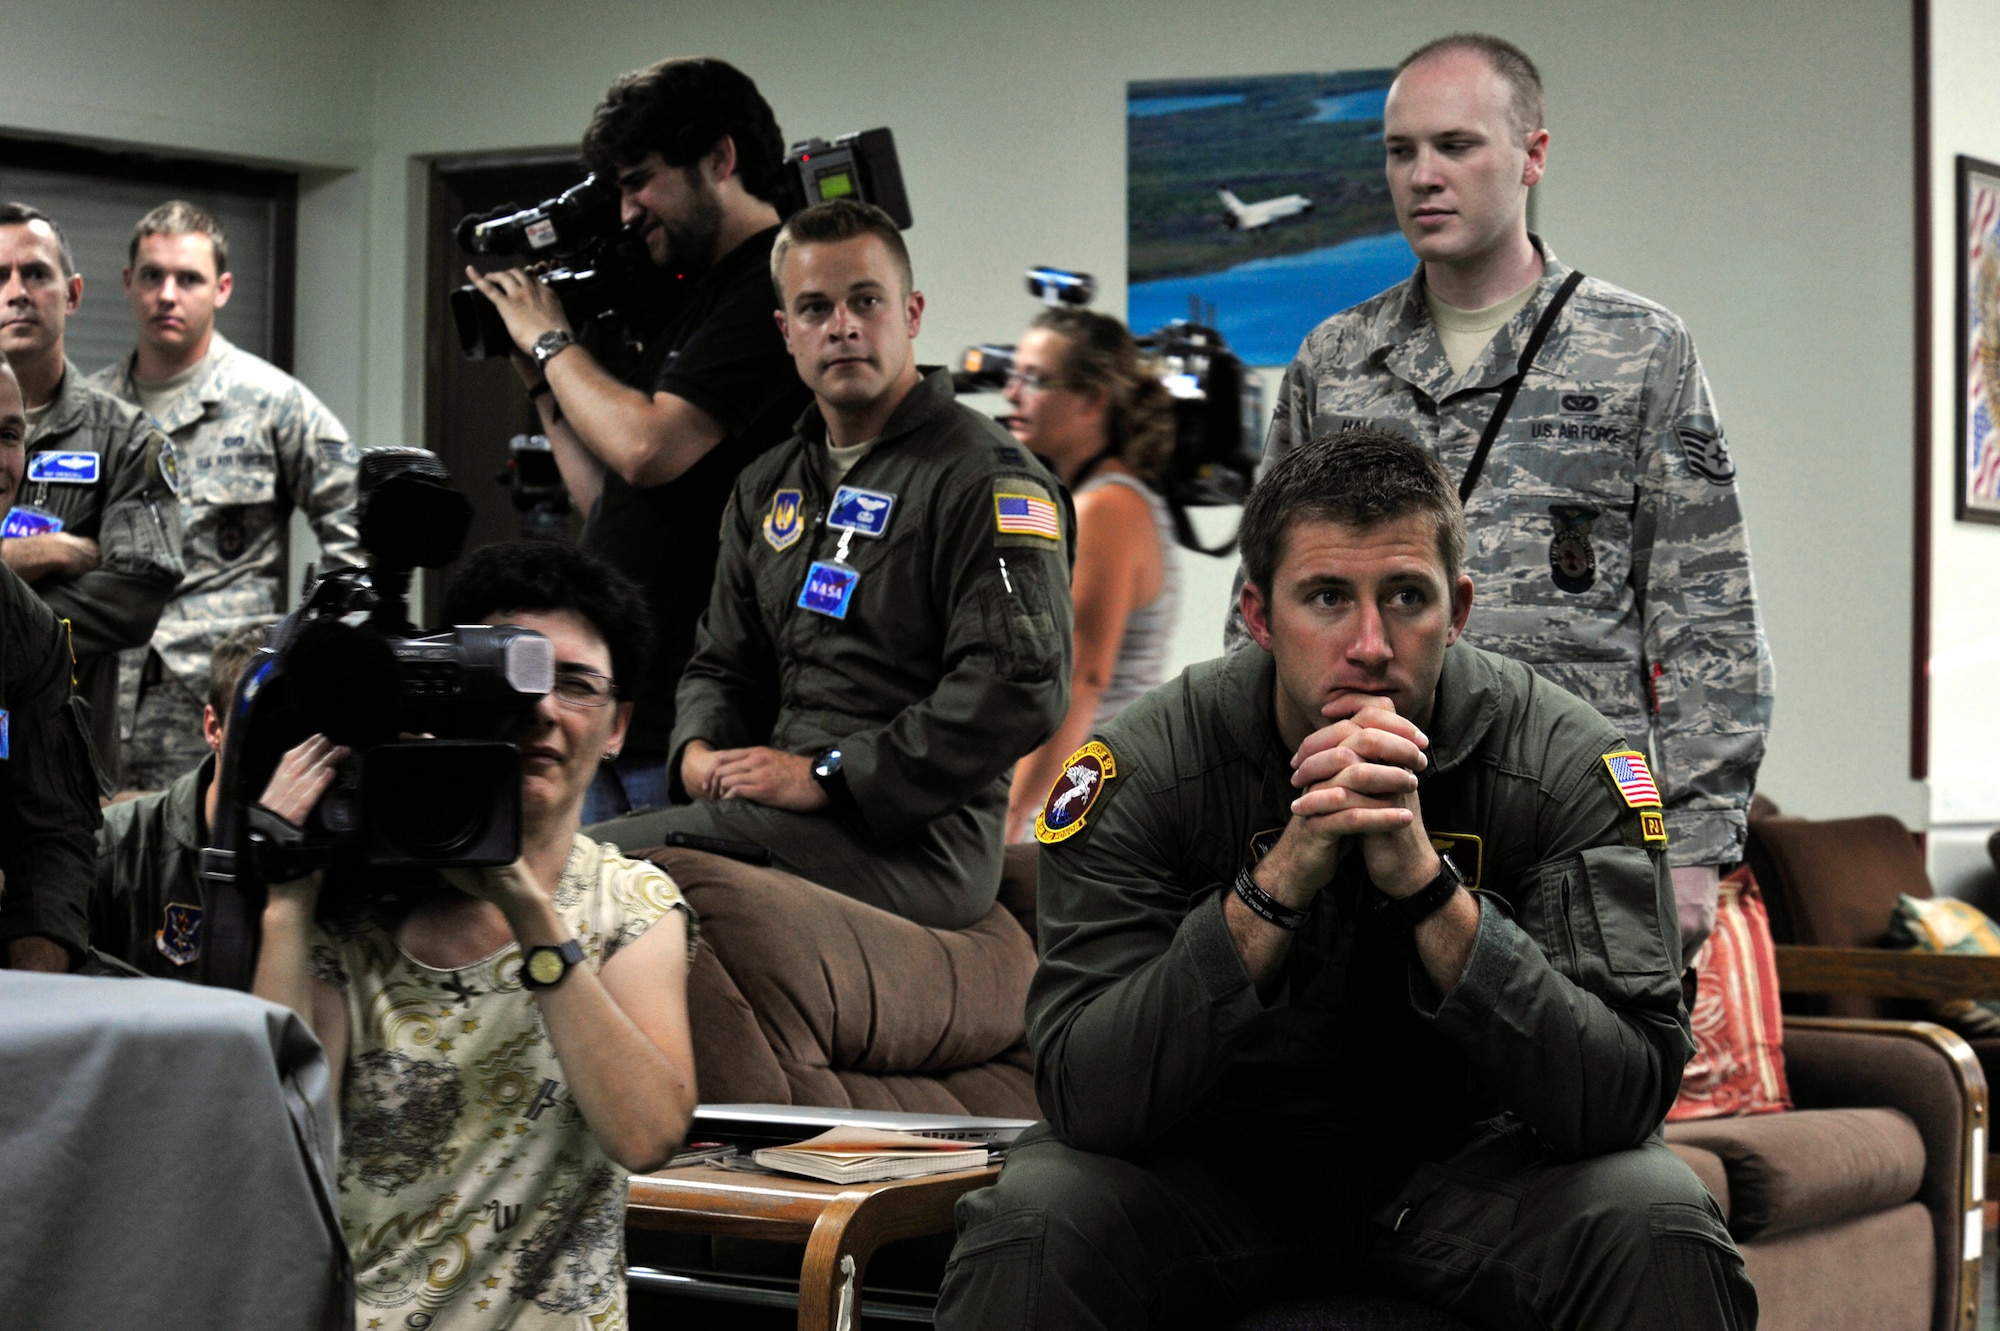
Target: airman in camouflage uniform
(253, 444)
(1607, 536)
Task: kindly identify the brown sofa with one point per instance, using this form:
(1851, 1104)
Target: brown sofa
(1854, 1217)
(801, 996)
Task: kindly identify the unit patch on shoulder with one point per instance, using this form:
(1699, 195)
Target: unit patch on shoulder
(1075, 793)
(1024, 513)
(1653, 825)
(1466, 851)
(785, 522)
(1629, 773)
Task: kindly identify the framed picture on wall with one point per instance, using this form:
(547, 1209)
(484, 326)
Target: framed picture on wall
(1978, 318)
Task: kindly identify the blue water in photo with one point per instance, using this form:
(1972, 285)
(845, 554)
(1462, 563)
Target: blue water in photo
(1166, 106)
(1349, 107)
(1265, 308)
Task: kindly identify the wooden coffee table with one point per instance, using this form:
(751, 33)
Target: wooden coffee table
(841, 1224)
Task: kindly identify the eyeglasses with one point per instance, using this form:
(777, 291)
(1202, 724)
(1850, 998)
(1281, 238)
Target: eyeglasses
(1031, 382)
(583, 688)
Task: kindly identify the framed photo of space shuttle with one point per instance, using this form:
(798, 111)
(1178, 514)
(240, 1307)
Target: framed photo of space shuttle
(1262, 197)
(1977, 315)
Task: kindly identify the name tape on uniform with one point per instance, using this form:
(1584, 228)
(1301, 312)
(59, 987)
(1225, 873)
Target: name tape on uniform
(863, 512)
(64, 468)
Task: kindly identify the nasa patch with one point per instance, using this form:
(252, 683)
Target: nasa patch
(863, 512)
(1707, 456)
(1075, 793)
(829, 589)
(23, 520)
(785, 521)
(64, 468)
(179, 935)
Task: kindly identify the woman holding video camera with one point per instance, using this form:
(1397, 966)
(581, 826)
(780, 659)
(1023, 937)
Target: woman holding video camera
(504, 1048)
(1084, 401)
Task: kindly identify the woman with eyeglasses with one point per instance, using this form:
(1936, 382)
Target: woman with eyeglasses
(506, 1048)
(1084, 401)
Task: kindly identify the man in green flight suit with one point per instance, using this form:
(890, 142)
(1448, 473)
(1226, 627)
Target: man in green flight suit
(48, 795)
(97, 529)
(1359, 971)
(146, 915)
(890, 624)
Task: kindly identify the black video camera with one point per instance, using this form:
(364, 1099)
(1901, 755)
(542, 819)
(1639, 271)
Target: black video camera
(535, 485)
(350, 665)
(604, 277)
(862, 166)
(1218, 402)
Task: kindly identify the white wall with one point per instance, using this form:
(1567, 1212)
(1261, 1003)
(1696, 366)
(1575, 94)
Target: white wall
(1750, 169)
(1965, 556)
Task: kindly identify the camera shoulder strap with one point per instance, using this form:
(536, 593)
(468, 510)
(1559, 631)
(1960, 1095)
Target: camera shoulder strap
(1512, 386)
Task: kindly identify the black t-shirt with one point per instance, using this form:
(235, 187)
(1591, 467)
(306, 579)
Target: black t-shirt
(722, 352)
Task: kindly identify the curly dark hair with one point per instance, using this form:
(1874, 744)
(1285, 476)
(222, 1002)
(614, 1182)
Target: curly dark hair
(1102, 353)
(544, 576)
(1362, 478)
(680, 109)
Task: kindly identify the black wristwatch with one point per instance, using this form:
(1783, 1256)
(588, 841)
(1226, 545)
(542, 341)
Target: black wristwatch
(827, 771)
(544, 967)
(1429, 899)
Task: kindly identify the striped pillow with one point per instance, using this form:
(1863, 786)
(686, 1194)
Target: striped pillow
(1940, 924)
(1739, 1035)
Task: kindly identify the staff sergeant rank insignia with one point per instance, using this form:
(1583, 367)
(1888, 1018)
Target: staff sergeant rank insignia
(784, 523)
(1075, 793)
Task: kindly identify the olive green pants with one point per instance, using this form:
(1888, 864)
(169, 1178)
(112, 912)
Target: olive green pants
(1197, 1231)
(946, 876)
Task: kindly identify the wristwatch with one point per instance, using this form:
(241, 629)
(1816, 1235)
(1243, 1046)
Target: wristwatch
(549, 344)
(545, 966)
(827, 771)
(1429, 899)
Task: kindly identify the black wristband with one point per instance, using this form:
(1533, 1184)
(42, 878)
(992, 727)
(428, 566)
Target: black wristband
(1266, 906)
(1429, 899)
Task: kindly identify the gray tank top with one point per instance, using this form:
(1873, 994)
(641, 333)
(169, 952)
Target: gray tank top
(1149, 629)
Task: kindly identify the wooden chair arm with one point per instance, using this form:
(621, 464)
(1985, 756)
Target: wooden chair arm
(1880, 973)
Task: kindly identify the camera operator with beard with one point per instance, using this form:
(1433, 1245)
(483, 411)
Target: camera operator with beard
(698, 160)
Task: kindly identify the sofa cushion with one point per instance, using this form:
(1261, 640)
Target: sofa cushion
(1739, 1057)
(1707, 1167)
(858, 1007)
(1810, 1167)
(1875, 1272)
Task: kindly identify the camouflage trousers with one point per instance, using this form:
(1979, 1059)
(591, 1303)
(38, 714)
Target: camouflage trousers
(162, 731)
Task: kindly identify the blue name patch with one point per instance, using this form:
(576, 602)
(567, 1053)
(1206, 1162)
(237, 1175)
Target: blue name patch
(829, 589)
(863, 512)
(64, 468)
(24, 521)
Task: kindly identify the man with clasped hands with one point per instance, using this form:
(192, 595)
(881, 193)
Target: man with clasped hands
(1359, 971)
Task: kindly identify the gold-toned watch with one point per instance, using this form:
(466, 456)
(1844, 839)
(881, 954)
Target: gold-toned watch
(545, 966)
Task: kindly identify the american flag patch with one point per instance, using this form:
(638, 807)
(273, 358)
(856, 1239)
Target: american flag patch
(1634, 781)
(1025, 515)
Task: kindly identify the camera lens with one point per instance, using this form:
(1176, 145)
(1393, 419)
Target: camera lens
(432, 801)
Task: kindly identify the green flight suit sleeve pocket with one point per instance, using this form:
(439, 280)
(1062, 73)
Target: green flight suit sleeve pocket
(1624, 900)
(1021, 622)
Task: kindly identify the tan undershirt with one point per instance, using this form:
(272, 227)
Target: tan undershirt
(840, 461)
(1467, 333)
(155, 395)
(36, 415)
